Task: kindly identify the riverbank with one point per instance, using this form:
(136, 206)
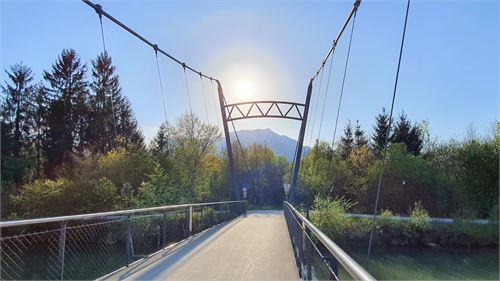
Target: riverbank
(416, 231)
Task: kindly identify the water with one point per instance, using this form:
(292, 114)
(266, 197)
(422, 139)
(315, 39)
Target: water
(429, 264)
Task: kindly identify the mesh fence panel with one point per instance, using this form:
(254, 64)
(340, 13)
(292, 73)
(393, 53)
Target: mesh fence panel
(313, 260)
(89, 249)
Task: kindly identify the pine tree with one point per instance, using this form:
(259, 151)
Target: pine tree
(105, 87)
(359, 136)
(410, 135)
(401, 130)
(346, 141)
(161, 144)
(415, 140)
(381, 131)
(69, 108)
(112, 118)
(15, 111)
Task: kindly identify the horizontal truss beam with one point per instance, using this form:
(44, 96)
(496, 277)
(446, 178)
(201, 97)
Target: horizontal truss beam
(265, 109)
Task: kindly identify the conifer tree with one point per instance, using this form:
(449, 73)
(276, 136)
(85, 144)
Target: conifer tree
(359, 136)
(346, 141)
(69, 108)
(112, 118)
(15, 111)
(380, 132)
(401, 130)
(408, 134)
(161, 144)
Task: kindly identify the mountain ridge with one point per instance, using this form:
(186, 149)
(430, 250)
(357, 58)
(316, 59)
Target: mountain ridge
(281, 145)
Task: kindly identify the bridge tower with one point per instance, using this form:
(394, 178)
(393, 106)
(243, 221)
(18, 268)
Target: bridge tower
(264, 109)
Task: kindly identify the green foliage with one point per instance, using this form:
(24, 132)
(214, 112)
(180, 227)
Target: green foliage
(157, 191)
(477, 174)
(45, 198)
(329, 215)
(419, 218)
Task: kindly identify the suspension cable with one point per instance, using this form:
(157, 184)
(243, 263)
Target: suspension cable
(343, 81)
(161, 87)
(387, 135)
(330, 51)
(102, 29)
(203, 95)
(318, 92)
(100, 11)
(239, 143)
(187, 92)
(115, 130)
(326, 93)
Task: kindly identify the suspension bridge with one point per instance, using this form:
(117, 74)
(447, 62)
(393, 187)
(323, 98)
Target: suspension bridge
(216, 240)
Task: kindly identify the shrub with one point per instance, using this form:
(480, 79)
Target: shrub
(45, 198)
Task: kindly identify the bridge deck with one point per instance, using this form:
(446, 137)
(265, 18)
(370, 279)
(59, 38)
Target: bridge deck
(256, 247)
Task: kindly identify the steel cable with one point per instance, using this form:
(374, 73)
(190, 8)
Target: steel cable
(343, 82)
(387, 135)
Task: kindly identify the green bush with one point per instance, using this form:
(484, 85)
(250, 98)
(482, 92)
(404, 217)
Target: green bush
(45, 198)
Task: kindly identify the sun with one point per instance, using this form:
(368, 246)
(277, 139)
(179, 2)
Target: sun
(244, 89)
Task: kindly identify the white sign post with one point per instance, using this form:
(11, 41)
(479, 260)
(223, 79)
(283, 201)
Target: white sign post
(286, 187)
(245, 189)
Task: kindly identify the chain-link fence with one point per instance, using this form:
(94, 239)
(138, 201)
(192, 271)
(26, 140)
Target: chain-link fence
(317, 257)
(93, 245)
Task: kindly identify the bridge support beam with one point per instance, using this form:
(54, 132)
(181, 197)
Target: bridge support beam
(232, 171)
(300, 144)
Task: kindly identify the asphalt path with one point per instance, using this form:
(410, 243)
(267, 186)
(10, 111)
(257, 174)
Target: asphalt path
(255, 247)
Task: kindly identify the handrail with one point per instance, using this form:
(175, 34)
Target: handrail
(350, 265)
(103, 214)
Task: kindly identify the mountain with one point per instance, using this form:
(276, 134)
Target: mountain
(281, 145)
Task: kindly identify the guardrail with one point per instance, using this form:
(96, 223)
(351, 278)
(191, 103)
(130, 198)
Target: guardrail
(317, 256)
(89, 246)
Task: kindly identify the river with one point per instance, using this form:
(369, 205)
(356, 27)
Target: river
(429, 264)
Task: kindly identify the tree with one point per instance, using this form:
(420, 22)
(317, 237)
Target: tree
(381, 131)
(415, 140)
(410, 135)
(401, 130)
(69, 111)
(112, 121)
(192, 141)
(16, 110)
(161, 144)
(347, 141)
(477, 173)
(359, 136)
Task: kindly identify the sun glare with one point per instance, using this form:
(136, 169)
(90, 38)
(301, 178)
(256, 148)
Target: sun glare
(244, 89)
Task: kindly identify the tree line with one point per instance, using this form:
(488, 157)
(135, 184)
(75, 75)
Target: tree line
(455, 178)
(71, 144)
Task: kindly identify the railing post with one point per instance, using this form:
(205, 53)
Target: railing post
(308, 253)
(164, 233)
(62, 246)
(129, 240)
(190, 220)
(201, 218)
(225, 216)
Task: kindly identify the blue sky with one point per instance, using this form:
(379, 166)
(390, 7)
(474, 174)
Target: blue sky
(449, 73)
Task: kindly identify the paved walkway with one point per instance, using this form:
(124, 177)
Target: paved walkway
(256, 247)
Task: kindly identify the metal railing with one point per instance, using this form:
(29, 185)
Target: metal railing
(317, 256)
(90, 246)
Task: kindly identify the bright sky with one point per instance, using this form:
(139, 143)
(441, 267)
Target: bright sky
(266, 50)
